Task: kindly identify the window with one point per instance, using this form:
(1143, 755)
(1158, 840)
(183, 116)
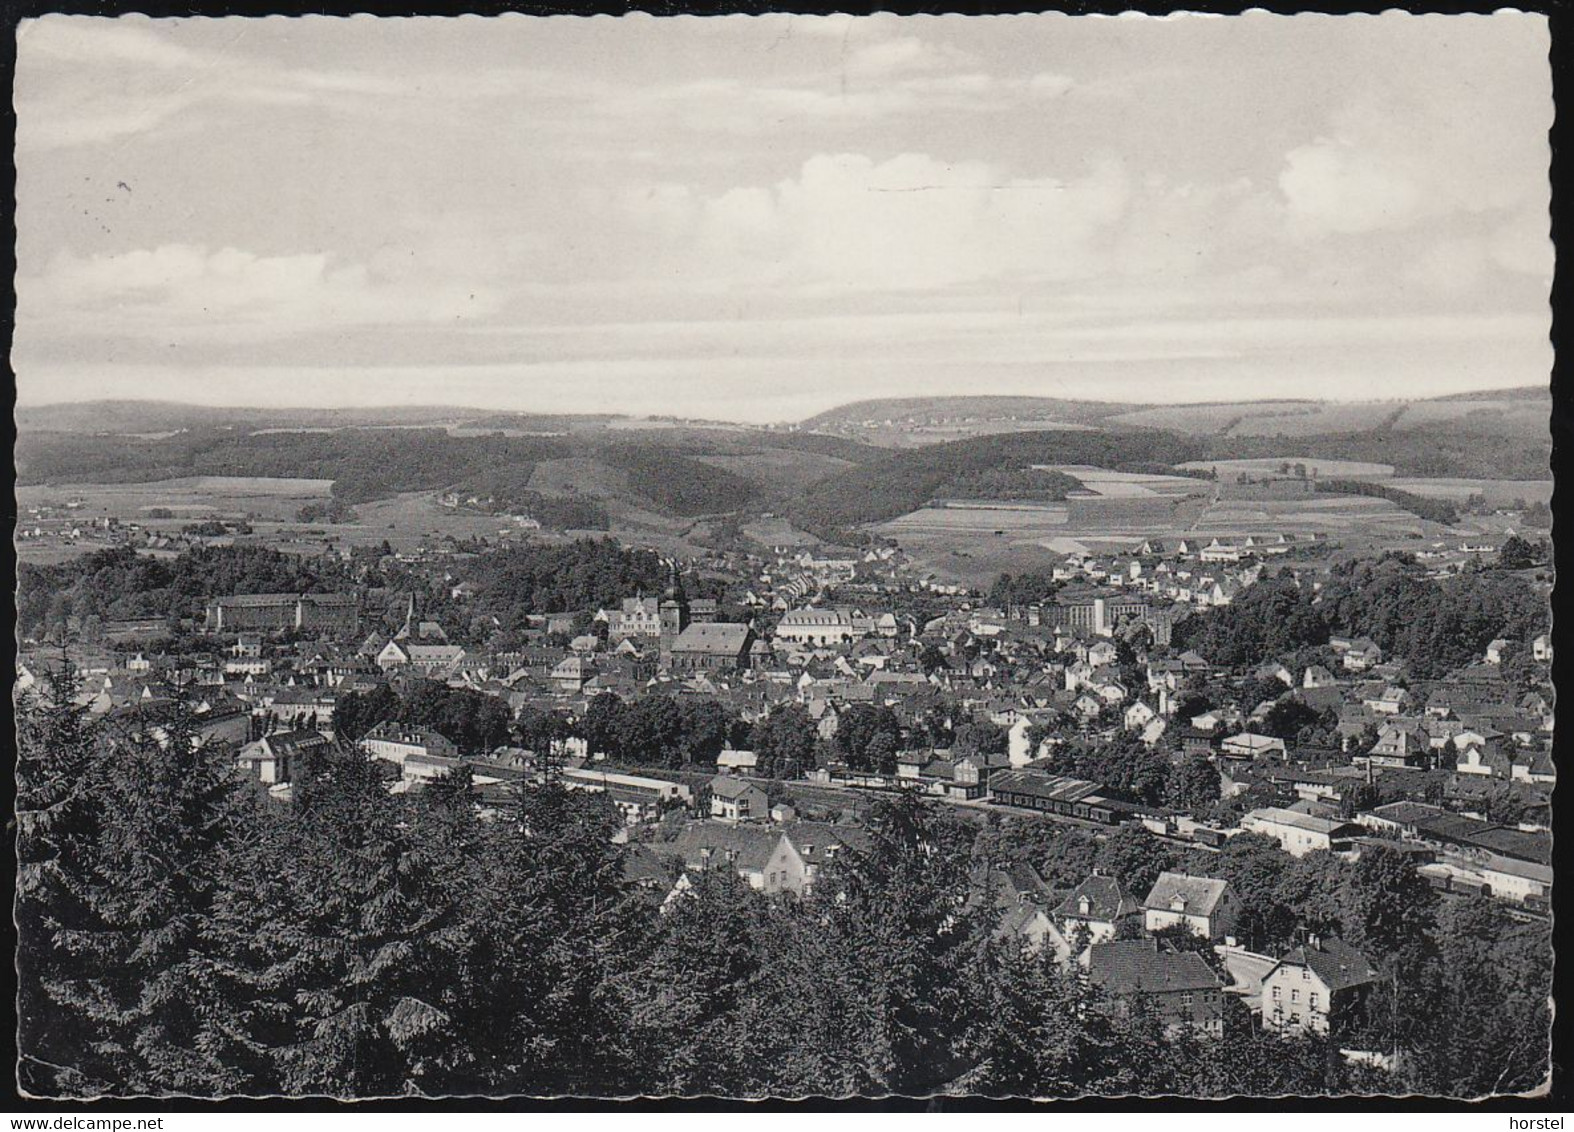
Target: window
(1295, 996)
(1312, 1001)
(1276, 994)
(1185, 998)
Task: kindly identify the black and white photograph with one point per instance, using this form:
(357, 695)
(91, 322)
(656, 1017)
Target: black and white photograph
(851, 557)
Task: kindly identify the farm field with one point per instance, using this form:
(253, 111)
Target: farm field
(775, 531)
(1128, 485)
(1319, 419)
(1211, 420)
(970, 544)
(919, 436)
(194, 497)
(1335, 515)
(1321, 466)
(1497, 492)
(1512, 416)
(784, 470)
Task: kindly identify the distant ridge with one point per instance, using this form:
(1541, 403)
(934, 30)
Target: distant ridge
(928, 408)
(1076, 411)
(128, 416)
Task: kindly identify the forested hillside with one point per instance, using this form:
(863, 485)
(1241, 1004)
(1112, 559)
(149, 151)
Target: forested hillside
(659, 468)
(909, 478)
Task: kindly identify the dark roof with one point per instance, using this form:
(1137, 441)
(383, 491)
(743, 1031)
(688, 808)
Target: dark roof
(713, 638)
(1335, 962)
(1516, 843)
(645, 867)
(1137, 966)
(1041, 785)
(288, 742)
(731, 786)
(810, 838)
(1450, 827)
(748, 846)
(1406, 812)
(1107, 901)
(1201, 894)
(262, 600)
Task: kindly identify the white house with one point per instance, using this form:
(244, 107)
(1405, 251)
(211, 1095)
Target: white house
(1299, 834)
(1313, 987)
(1207, 906)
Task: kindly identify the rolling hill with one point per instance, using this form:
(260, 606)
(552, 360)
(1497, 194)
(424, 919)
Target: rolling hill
(673, 472)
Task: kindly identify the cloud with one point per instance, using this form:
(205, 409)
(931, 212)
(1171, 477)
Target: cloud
(912, 222)
(87, 80)
(903, 55)
(190, 290)
(1334, 186)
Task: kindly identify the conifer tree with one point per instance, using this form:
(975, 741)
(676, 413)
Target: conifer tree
(166, 804)
(56, 824)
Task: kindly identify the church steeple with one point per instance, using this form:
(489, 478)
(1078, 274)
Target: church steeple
(674, 605)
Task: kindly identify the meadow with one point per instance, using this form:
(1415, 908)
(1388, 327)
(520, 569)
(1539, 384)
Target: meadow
(1315, 465)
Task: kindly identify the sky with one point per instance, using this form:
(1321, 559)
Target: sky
(758, 218)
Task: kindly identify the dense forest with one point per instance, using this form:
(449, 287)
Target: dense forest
(1435, 625)
(119, 583)
(1005, 483)
(514, 582)
(1459, 447)
(182, 934)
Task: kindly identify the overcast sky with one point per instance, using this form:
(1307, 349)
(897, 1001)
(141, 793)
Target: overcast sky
(760, 218)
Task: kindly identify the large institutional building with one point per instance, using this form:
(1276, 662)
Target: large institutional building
(250, 613)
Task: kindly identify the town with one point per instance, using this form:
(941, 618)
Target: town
(854, 561)
(1174, 761)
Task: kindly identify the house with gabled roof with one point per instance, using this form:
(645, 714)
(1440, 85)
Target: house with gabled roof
(1178, 985)
(1099, 906)
(736, 799)
(1207, 906)
(1316, 988)
(275, 758)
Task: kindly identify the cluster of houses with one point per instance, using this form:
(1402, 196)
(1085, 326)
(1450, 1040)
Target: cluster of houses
(1125, 946)
(1424, 764)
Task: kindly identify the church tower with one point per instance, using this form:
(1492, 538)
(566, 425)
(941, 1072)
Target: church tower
(674, 606)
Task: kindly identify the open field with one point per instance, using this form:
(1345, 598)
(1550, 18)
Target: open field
(1511, 416)
(1209, 420)
(1497, 492)
(921, 435)
(775, 531)
(1335, 515)
(780, 468)
(1128, 485)
(193, 497)
(970, 543)
(1327, 468)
